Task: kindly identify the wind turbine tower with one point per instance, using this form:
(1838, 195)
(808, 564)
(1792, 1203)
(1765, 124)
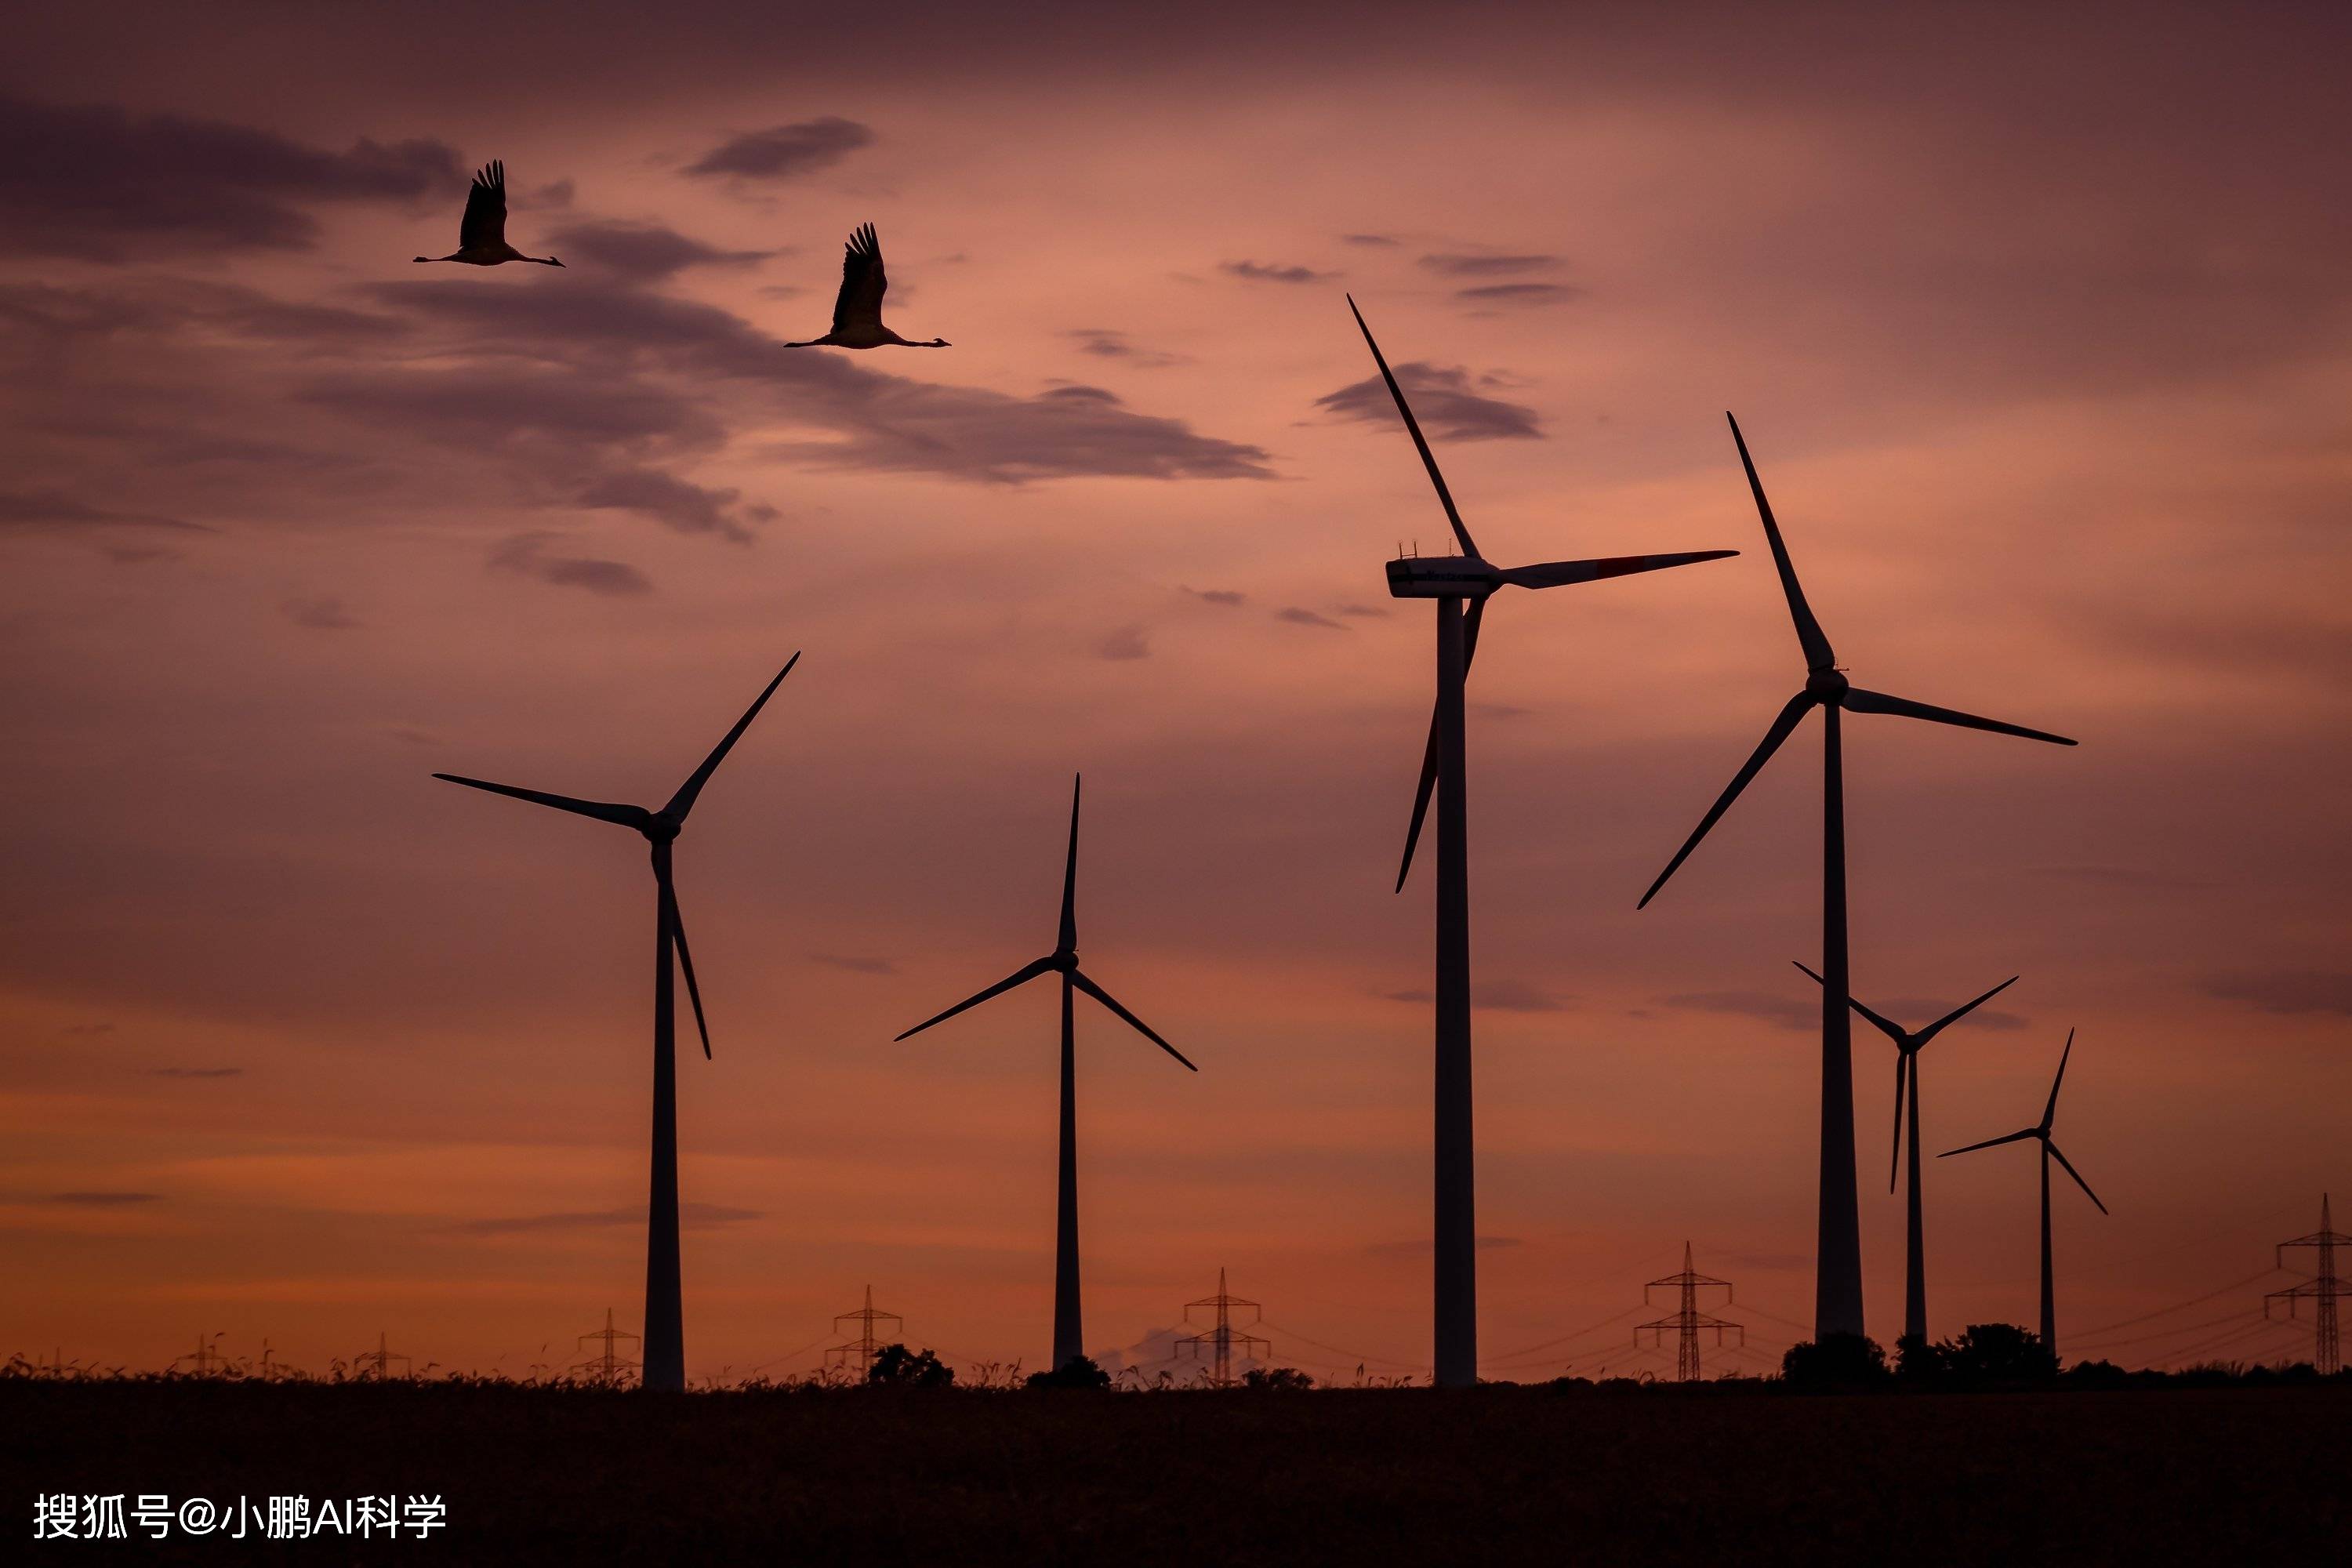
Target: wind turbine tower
(1455, 582)
(1837, 1277)
(2049, 1151)
(1069, 1335)
(665, 1341)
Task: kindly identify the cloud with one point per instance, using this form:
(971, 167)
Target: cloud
(195, 1072)
(675, 504)
(1519, 294)
(95, 183)
(1299, 616)
(88, 1030)
(1498, 996)
(642, 252)
(856, 963)
(1273, 272)
(1424, 1247)
(321, 615)
(781, 152)
(1441, 400)
(2287, 990)
(526, 554)
(1456, 265)
(1364, 611)
(1105, 344)
(105, 1200)
(1231, 598)
(637, 366)
(692, 1217)
(1781, 1011)
(1371, 239)
(2129, 879)
(53, 509)
(1126, 643)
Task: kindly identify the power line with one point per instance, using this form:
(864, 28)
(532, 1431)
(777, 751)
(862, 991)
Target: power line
(2092, 1335)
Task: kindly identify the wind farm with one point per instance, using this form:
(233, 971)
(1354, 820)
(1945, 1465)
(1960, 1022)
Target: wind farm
(1491, 1192)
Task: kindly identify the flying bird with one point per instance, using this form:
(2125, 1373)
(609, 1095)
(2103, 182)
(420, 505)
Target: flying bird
(857, 310)
(482, 233)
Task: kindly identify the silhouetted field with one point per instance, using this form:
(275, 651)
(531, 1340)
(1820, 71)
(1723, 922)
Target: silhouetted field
(1499, 1475)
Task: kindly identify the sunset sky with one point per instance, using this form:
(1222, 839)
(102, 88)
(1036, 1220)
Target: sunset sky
(2039, 323)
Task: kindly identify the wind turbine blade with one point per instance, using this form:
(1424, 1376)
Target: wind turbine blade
(2049, 1111)
(2078, 1177)
(1863, 702)
(1958, 1013)
(1818, 653)
(1429, 753)
(1559, 574)
(1020, 976)
(1108, 1000)
(604, 811)
(1990, 1142)
(1894, 1157)
(1892, 1030)
(683, 801)
(686, 963)
(1428, 460)
(1070, 940)
(1782, 726)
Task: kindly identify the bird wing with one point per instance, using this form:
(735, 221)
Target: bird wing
(486, 207)
(863, 281)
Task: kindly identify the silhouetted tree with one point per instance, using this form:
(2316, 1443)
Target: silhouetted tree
(2097, 1374)
(1838, 1361)
(896, 1366)
(1920, 1362)
(1078, 1372)
(1275, 1377)
(2000, 1352)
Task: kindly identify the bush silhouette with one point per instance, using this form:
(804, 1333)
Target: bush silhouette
(1837, 1361)
(1078, 1372)
(1998, 1353)
(896, 1366)
(1275, 1377)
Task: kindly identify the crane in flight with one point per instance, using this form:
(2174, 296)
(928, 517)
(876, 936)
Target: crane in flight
(857, 309)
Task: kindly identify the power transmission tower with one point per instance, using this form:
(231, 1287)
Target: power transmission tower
(271, 1369)
(609, 1365)
(865, 1346)
(379, 1360)
(205, 1361)
(1220, 1338)
(1689, 1321)
(2322, 1289)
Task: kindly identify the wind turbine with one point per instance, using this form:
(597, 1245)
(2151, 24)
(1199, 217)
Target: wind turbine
(2049, 1151)
(1452, 579)
(1837, 1282)
(1908, 1044)
(1068, 1337)
(665, 1339)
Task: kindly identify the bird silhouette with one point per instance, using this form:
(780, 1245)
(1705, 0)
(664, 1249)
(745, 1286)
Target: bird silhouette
(857, 310)
(482, 232)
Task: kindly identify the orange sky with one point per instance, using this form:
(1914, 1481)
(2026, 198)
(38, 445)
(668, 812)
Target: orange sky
(2038, 328)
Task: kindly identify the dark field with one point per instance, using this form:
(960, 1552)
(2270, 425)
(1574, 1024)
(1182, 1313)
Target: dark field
(1500, 1475)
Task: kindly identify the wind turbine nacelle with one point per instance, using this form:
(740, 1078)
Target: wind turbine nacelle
(1442, 577)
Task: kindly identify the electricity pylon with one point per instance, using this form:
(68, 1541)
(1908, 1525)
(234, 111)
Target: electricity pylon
(608, 1365)
(379, 1360)
(865, 1346)
(205, 1362)
(2322, 1289)
(1220, 1337)
(1687, 1322)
